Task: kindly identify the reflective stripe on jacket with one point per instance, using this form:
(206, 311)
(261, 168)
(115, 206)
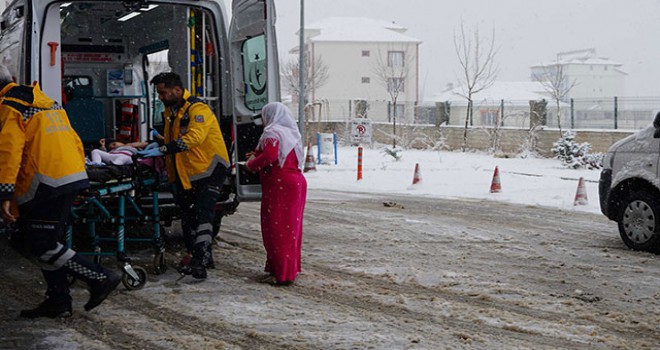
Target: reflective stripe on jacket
(39, 150)
(199, 143)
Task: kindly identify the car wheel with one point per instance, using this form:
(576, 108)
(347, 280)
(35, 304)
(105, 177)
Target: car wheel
(639, 222)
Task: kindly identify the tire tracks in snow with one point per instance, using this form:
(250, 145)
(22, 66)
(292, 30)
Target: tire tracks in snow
(319, 213)
(360, 302)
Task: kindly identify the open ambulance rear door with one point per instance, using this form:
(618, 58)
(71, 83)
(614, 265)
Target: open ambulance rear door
(255, 77)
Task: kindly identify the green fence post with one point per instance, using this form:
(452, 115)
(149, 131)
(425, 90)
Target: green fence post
(616, 113)
(572, 113)
(470, 111)
(502, 112)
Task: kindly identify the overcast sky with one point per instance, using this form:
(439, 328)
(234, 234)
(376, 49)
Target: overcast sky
(527, 32)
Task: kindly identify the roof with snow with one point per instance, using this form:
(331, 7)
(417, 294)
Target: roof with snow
(586, 57)
(358, 29)
(513, 92)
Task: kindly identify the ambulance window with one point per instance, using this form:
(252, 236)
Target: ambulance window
(157, 63)
(254, 71)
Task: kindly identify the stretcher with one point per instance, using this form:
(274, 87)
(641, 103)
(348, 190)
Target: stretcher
(120, 195)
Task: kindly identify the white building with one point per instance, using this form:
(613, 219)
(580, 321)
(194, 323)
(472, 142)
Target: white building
(591, 76)
(365, 58)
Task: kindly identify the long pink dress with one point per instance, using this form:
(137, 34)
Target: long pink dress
(284, 191)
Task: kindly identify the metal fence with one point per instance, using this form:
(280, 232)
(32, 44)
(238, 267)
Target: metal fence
(614, 113)
(626, 113)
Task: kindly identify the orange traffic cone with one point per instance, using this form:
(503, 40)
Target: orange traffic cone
(417, 177)
(581, 194)
(309, 160)
(495, 186)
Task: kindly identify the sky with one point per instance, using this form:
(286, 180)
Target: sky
(526, 33)
(443, 174)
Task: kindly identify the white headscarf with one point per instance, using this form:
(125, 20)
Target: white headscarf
(279, 125)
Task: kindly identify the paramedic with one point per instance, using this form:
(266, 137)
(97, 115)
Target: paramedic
(42, 167)
(197, 161)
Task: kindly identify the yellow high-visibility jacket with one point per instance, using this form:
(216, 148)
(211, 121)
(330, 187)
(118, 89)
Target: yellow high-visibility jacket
(39, 150)
(194, 145)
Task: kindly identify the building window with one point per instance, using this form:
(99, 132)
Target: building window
(489, 116)
(399, 111)
(366, 53)
(395, 85)
(366, 80)
(395, 58)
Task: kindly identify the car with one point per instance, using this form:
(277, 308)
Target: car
(629, 188)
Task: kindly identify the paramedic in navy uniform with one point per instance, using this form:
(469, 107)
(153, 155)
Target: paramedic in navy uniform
(42, 168)
(197, 162)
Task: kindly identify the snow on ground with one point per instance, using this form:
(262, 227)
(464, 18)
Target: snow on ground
(426, 273)
(444, 174)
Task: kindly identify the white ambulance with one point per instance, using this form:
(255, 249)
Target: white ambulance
(96, 58)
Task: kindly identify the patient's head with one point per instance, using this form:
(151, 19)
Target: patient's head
(115, 144)
(111, 144)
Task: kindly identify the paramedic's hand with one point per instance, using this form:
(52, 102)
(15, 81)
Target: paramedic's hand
(148, 153)
(6, 214)
(151, 146)
(156, 135)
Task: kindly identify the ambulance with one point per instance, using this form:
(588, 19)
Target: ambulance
(97, 57)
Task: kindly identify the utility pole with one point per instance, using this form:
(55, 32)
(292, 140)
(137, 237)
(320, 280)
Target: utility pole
(301, 73)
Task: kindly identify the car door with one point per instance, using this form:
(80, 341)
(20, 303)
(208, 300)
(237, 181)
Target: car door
(255, 77)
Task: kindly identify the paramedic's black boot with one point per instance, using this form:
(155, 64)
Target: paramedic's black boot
(186, 261)
(49, 308)
(100, 281)
(58, 299)
(100, 290)
(201, 258)
(195, 270)
(210, 264)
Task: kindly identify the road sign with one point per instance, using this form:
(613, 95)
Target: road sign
(361, 130)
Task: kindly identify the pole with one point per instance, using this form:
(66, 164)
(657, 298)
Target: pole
(359, 164)
(301, 73)
(616, 112)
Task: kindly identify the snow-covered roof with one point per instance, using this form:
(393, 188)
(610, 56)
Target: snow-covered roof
(520, 92)
(358, 29)
(582, 57)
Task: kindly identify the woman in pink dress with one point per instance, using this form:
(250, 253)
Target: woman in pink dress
(278, 158)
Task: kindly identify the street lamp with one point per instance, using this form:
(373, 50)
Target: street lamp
(301, 73)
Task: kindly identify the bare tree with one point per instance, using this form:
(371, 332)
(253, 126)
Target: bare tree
(557, 84)
(316, 75)
(478, 69)
(392, 71)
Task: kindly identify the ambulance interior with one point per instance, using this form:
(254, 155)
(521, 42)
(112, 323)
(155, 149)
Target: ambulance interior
(110, 50)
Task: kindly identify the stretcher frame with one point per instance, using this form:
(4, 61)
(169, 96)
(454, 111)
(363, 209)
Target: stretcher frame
(94, 207)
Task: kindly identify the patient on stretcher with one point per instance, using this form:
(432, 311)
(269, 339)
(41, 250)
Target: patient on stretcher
(114, 152)
(116, 162)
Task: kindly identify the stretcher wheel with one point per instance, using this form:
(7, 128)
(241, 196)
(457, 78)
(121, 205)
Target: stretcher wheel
(160, 265)
(132, 284)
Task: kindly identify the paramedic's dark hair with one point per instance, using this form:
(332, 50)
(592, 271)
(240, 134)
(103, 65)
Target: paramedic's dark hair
(169, 79)
(5, 76)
